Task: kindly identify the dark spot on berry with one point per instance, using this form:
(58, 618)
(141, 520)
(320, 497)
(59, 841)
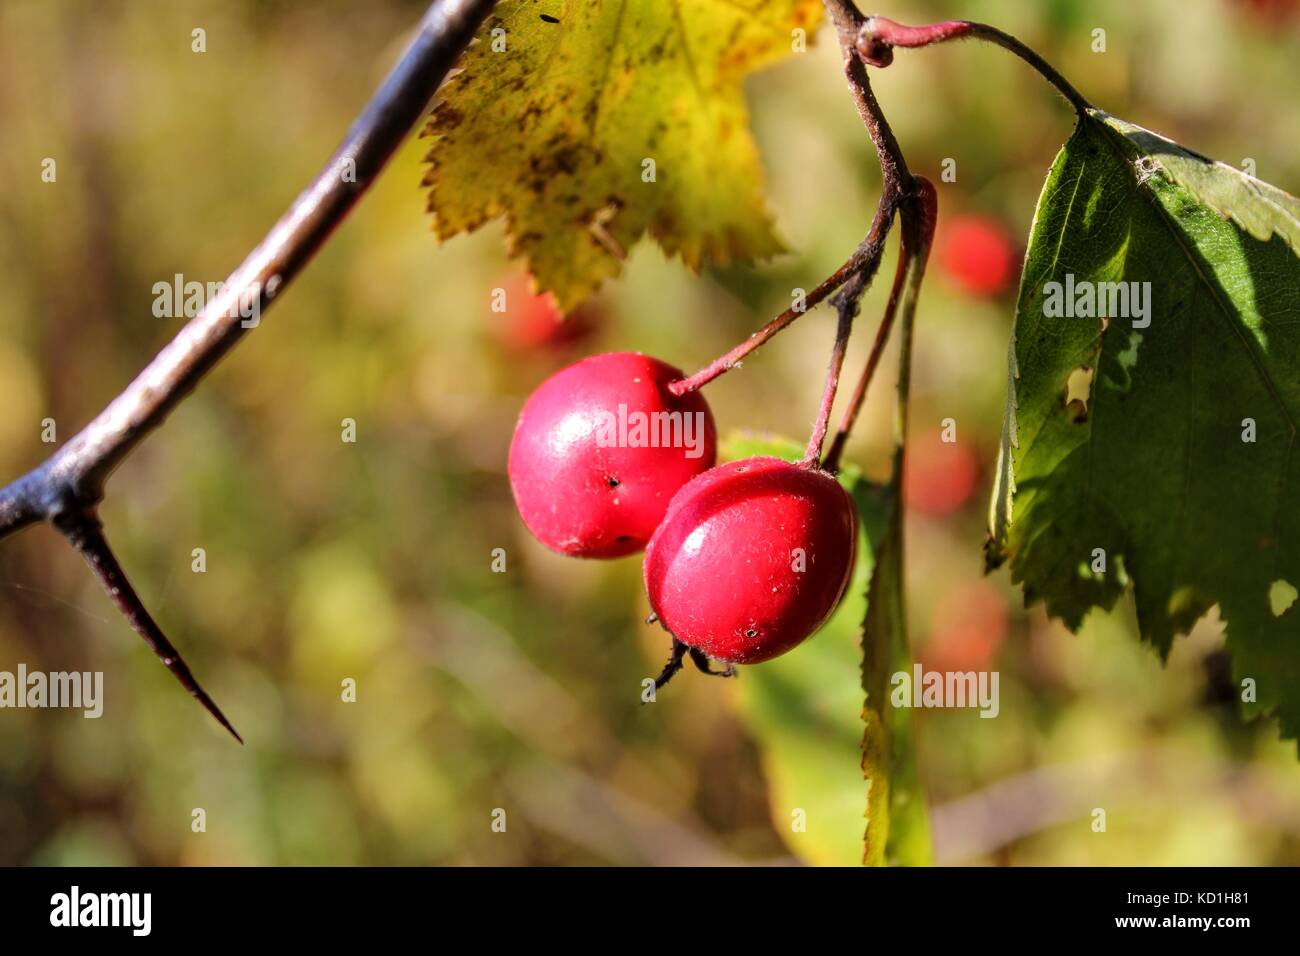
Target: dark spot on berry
(751, 633)
(550, 19)
(621, 539)
(612, 481)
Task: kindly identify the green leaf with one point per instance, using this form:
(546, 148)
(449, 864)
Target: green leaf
(805, 710)
(562, 104)
(1136, 440)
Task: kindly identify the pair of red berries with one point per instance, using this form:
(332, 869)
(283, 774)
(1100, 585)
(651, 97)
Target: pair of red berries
(743, 560)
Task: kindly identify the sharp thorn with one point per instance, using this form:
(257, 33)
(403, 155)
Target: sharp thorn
(84, 530)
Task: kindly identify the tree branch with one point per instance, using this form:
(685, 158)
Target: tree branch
(65, 489)
(76, 473)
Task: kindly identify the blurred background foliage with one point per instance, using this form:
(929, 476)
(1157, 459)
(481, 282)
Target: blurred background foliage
(520, 691)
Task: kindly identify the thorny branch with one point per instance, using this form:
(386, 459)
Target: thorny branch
(66, 489)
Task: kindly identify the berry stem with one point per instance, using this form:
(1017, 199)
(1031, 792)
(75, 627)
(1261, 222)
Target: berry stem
(919, 216)
(866, 255)
(878, 36)
(896, 182)
(832, 462)
(846, 305)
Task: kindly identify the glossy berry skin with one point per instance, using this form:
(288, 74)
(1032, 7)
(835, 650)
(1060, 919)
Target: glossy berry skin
(590, 487)
(978, 254)
(721, 569)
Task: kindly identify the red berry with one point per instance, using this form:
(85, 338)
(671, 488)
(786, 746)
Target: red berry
(752, 558)
(969, 627)
(939, 477)
(1272, 12)
(978, 254)
(533, 321)
(600, 449)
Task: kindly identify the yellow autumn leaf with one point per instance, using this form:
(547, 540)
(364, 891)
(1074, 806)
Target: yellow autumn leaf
(587, 123)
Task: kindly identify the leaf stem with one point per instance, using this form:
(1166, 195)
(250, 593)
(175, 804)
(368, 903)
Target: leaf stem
(878, 36)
